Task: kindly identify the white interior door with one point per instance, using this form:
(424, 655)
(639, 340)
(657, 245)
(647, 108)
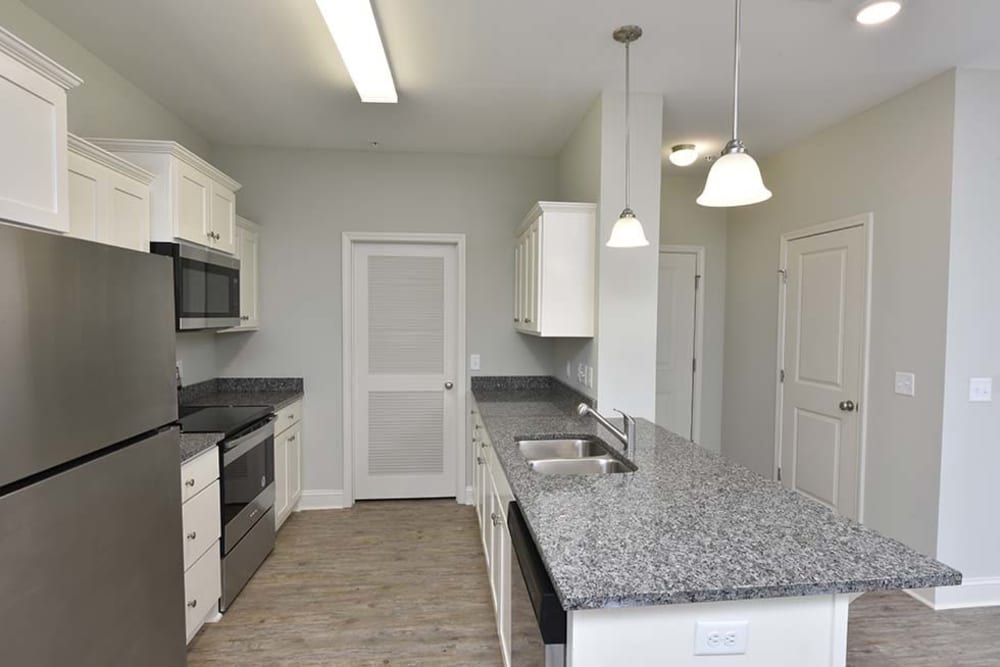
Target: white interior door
(675, 337)
(823, 367)
(405, 364)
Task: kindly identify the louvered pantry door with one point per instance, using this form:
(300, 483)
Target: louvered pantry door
(405, 346)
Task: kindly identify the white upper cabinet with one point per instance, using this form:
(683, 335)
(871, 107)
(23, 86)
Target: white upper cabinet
(554, 271)
(108, 197)
(248, 252)
(34, 182)
(192, 200)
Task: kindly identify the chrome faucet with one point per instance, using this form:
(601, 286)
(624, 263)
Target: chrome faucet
(627, 436)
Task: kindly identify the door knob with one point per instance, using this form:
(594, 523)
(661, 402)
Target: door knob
(449, 385)
(847, 406)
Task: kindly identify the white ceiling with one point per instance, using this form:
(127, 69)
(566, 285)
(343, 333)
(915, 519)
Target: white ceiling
(515, 76)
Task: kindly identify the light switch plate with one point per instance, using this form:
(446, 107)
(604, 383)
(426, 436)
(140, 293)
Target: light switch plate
(475, 362)
(721, 637)
(906, 384)
(981, 390)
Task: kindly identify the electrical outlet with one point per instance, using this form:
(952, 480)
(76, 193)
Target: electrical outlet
(721, 637)
(906, 384)
(581, 374)
(981, 390)
(475, 362)
(590, 376)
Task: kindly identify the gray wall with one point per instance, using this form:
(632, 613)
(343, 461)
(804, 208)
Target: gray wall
(305, 199)
(683, 222)
(968, 537)
(894, 161)
(107, 104)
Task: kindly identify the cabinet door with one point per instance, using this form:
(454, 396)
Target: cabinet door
(127, 223)
(293, 466)
(504, 583)
(34, 169)
(223, 218)
(194, 193)
(534, 277)
(280, 478)
(248, 252)
(517, 284)
(85, 185)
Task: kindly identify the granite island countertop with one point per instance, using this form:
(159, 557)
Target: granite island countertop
(687, 526)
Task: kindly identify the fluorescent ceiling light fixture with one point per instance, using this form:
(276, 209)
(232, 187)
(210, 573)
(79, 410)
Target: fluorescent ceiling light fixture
(353, 27)
(683, 155)
(875, 12)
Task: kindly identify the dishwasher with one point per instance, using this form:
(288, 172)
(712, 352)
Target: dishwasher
(537, 619)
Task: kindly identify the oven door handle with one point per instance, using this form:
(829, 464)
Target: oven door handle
(237, 448)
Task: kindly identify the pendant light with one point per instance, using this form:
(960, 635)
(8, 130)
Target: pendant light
(734, 179)
(627, 232)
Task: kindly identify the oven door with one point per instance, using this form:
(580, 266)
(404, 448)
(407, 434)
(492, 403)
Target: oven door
(207, 285)
(247, 482)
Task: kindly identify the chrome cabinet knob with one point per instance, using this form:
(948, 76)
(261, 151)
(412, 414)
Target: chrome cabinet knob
(189, 482)
(192, 535)
(193, 604)
(480, 460)
(847, 406)
(483, 444)
(449, 385)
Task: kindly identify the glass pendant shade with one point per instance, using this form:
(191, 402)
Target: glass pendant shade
(734, 180)
(627, 232)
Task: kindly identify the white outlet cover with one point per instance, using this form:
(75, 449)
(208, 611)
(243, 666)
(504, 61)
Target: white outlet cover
(581, 374)
(569, 369)
(906, 384)
(475, 362)
(981, 390)
(590, 376)
(721, 637)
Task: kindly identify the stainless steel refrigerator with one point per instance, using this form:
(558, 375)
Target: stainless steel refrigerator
(91, 564)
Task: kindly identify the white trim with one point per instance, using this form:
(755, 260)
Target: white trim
(171, 148)
(974, 592)
(347, 316)
(553, 207)
(469, 498)
(321, 499)
(867, 222)
(95, 153)
(32, 58)
(699, 331)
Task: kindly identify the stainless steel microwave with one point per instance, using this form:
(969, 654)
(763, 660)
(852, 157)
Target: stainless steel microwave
(206, 286)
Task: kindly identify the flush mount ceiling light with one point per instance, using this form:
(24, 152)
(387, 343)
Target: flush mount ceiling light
(627, 232)
(353, 27)
(734, 179)
(874, 12)
(683, 155)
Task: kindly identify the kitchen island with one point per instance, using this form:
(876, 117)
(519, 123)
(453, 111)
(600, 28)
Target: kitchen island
(639, 559)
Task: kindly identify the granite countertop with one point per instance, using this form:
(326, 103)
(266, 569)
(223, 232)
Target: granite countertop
(687, 526)
(193, 444)
(273, 392)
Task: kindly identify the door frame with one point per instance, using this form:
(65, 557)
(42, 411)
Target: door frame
(349, 239)
(699, 328)
(867, 222)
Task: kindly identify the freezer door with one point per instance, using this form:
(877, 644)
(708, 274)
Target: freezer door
(86, 348)
(92, 563)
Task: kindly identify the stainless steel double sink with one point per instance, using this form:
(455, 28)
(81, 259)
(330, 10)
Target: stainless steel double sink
(573, 456)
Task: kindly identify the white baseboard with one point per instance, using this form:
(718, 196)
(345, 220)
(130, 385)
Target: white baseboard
(974, 592)
(469, 500)
(321, 499)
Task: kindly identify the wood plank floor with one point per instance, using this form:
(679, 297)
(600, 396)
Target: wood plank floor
(404, 583)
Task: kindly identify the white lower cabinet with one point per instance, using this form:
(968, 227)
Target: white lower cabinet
(287, 462)
(492, 496)
(202, 522)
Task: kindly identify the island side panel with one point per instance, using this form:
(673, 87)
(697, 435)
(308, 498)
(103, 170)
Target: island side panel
(782, 632)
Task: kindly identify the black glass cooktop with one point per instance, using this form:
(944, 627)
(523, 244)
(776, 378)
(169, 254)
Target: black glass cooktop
(221, 420)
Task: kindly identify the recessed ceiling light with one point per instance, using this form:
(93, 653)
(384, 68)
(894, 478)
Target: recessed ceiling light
(874, 12)
(684, 155)
(353, 27)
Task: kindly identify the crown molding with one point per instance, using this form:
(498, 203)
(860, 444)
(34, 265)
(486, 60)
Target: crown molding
(34, 59)
(171, 148)
(97, 154)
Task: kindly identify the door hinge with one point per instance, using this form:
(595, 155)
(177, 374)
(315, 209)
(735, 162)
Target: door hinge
(697, 281)
(781, 375)
(694, 365)
(779, 474)
(784, 275)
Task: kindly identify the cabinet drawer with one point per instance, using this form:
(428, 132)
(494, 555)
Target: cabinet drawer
(198, 473)
(202, 525)
(202, 589)
(288, 416)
